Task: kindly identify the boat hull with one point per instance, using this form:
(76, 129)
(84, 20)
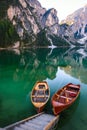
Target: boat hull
(40, 95)
(39, 110)
(58, 109)
(61, 102)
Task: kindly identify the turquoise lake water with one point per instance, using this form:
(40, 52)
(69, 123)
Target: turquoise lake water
(19, 71)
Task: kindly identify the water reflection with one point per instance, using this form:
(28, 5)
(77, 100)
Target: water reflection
(44, 62)
(19, 70)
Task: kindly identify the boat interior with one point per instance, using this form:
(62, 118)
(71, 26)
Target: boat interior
(40, 95)
(66, 95)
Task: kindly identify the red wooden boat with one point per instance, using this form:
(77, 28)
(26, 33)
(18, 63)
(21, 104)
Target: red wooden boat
(40, 95)
(63, 98)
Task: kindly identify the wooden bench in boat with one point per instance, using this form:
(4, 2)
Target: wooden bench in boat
(64, 97)
(61, 100)
(40, 96)
(71, 91)
(73, 86)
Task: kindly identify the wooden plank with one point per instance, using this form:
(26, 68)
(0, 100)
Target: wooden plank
(37, 122)
(32, 125)
(40, 121)
(26, 127)
(51, 125)
(22, 121)
(18, 128)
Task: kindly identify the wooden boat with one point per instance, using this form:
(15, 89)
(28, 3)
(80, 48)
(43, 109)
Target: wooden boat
(40, 95)
(63, 98)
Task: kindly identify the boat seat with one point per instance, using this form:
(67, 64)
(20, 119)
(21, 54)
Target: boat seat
(39, 99)
(58, 103)
(74, 86)
(40, 96)
(66, 97)
(60, 96)
(37, 96)
(70, 91)
(40, 89)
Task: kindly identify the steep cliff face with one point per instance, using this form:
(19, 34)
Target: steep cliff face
(30, 18)
(26, 17)
(50, 20)
(35, 23)
(77, 26)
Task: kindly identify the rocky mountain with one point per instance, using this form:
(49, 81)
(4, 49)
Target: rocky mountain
(75, 26)
(38, 26)
(26, 18)
(35, 24)
(30, 19)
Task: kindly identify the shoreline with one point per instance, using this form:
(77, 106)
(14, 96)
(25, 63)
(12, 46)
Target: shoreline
(12, 48)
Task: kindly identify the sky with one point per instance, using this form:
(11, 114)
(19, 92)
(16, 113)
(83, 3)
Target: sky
(63, 7)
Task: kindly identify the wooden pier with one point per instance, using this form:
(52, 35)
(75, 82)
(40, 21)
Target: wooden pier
(41, 121)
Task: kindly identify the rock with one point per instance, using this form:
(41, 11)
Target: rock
(31, 19)
(77, 25)
(50, 20)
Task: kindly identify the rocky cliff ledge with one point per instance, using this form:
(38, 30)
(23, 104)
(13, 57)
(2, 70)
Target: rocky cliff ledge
(31, 20)
(36, 24)
(75, 26)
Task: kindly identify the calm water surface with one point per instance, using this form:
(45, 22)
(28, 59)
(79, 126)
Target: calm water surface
(19, 70)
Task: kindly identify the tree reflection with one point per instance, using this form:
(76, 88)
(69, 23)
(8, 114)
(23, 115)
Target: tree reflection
(42, 63)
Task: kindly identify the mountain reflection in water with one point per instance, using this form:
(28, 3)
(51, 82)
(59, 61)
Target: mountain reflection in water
(43, 64)
(20, 69)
